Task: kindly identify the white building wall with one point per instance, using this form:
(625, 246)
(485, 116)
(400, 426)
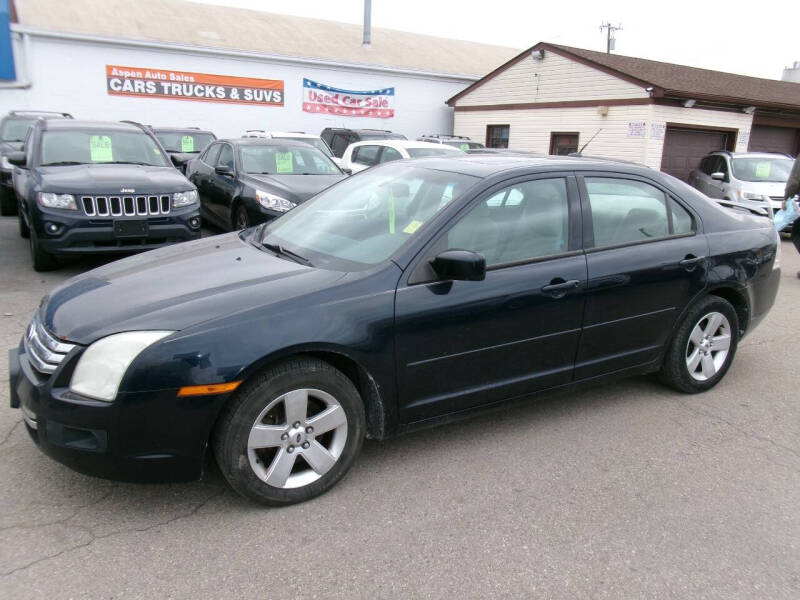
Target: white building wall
(69, 76)
(552, 79)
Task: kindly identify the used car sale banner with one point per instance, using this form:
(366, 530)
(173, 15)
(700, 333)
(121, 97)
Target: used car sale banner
(319, 98)
(183, 85)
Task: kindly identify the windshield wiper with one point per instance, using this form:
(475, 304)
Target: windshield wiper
(61, 163)
(281, 251)
(126, 162)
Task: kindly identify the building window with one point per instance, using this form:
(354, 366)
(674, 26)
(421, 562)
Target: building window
(497, 136)
(562, 144)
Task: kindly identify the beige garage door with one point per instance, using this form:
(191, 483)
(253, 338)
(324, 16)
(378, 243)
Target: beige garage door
(766, 138)
(683, 149)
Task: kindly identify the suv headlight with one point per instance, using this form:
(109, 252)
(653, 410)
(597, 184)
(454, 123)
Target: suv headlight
(750, 196)
(184, 198)
(274, 202)
(103, 364)
(51, 200)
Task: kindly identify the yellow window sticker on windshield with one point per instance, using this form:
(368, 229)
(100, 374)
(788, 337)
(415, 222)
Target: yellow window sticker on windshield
(283, 162)
(464, 146)
(100, 148)
(412, 227)
(763, 169)
(187, 143)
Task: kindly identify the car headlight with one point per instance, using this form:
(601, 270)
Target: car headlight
(6, 164)
(51, 200)
(103, 364)
(750, 196)
(184, 198)
(274, 202)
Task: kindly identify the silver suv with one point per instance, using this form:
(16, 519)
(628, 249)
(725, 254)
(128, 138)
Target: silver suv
(737, 176)
(456, 141)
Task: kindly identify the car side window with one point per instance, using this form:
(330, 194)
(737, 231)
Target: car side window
(389, 154)
(707, 164)
(366, 155)
(225, 157)
(211, 154)
(521, 222)
(722, 165)
(625, 210)
(339, 144)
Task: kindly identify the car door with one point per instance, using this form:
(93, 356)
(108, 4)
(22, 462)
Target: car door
(717, 188)
(646, 262)
(460, 344)
(698, 178)
(200, 175)
(222, 186)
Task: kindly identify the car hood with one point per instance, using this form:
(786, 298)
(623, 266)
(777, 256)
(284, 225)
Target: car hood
(765, 188)
(176, 287)
(297, 188)
(111, 179)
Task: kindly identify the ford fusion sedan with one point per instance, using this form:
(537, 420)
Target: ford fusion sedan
(411, 294)
(87, 187)
(246, 181)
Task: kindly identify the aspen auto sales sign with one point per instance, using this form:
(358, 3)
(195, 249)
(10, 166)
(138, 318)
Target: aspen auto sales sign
(183, 85)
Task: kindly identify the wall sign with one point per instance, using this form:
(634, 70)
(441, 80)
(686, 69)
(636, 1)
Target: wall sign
(636, 129)
(658, 131)
(319, 98)
(183, 85)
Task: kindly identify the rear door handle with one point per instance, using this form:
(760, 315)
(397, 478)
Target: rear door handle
(691, 261)
(559, 289)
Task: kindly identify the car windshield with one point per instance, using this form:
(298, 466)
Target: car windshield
(774, 169)
(365, 219)
(316, 142)
(93, 146)
(463, 145)
(423, 152)
(185, 142)
(286, 160)
(15, 130)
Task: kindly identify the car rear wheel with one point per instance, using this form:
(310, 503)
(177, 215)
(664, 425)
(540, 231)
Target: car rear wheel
(703, 347)
(42, 261)
(8, 203)
(290, 434)
(241, 219)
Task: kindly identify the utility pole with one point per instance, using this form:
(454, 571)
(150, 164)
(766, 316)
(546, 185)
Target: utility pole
(610, 29)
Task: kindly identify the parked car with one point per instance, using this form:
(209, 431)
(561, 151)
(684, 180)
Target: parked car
(363, 155)
(14, 128)
(411, 294)
(297, 136)
(456, 141)
(87, 187)
(737, 176)
(183, 144)
(246, 181)
(338, 138)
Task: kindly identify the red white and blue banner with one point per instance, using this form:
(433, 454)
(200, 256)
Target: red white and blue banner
(319, 98)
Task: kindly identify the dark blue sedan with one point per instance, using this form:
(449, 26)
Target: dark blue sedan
(413, 293)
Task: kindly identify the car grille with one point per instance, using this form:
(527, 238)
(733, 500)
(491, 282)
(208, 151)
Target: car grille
(127, 206)
(44, 351)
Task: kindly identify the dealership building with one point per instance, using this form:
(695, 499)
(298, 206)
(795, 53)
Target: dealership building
(555, 99)
(180, 63)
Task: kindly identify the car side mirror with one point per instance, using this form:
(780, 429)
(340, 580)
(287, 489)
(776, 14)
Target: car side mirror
(347, 171)
(17, 158)
(178, 160)
(459, 265)
(719, 176)
(224, 170)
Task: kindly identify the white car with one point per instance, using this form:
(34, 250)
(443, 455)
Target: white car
(298, 136)
(363, 155)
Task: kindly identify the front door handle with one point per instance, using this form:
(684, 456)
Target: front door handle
(558, 287)
(691, 261)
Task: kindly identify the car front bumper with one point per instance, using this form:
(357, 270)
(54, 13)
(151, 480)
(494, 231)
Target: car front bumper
(139, 437)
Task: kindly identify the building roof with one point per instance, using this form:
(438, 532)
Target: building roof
(672, 80)
(211, 26)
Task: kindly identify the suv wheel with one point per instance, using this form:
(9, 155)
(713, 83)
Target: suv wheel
(42, 261)
(291, 433)
(703, 347)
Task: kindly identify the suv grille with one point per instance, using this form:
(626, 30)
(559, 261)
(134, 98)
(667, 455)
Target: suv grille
(128, 206)
(44, 351)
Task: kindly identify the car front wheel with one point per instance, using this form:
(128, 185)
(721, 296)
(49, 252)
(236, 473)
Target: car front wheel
(291, 433)
(42, 261)
(703, 347)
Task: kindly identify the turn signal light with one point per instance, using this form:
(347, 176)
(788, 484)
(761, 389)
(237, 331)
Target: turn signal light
(207, 390)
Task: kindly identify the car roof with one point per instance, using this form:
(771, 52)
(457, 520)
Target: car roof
(367, 130)
(180, 130)
(262, 141)
(401, 144)
(290, 134)
(72, 124)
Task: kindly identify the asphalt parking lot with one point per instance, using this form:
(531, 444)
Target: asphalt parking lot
(625, 491)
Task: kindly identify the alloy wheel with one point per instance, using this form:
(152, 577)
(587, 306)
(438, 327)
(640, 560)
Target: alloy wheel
(708, 346)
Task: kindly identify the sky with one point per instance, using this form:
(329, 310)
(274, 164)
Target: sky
(752, 38)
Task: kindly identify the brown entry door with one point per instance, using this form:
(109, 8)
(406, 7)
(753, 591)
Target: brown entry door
(684, 148)
(765, 138)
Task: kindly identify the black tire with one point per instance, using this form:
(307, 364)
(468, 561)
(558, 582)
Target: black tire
(42, 261)
(8, 202)
(231, 434)
(241, 220)
(24, 232)
(675, 370)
